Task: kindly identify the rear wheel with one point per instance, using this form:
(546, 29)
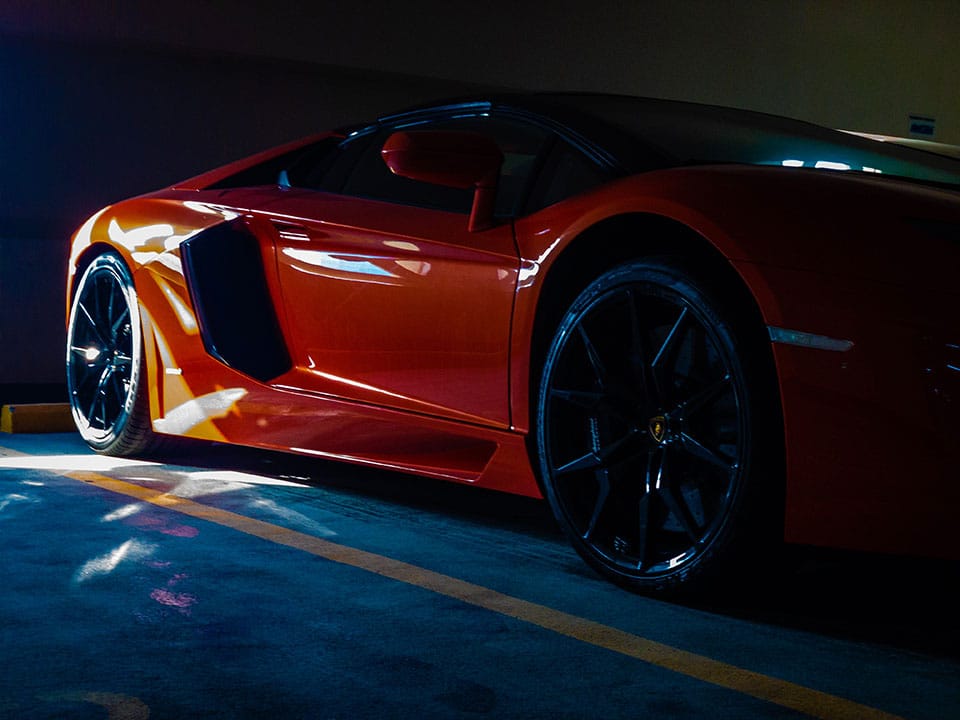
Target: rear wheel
(648, 430)
(105, 361)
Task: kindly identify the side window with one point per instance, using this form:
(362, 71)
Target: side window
(328, 167)
(269, 172)
(522, 146)
(371, 178)
(566, 172)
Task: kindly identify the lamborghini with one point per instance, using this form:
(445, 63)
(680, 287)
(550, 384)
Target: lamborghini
(698, 332)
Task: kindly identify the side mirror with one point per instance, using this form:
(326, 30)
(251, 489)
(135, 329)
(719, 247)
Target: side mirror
(452, 159)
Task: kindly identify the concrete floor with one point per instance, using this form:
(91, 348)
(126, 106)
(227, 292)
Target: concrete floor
(239, 584)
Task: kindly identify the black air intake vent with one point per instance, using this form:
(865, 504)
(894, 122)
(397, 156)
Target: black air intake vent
(224, 271)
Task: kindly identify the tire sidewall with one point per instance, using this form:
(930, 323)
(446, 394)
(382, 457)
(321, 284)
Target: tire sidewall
(664, 279)
(103, 440)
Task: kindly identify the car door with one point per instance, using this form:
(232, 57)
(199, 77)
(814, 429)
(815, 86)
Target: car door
(388, 298)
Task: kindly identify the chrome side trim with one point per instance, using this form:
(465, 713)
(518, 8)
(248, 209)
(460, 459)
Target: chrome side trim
(809, 340)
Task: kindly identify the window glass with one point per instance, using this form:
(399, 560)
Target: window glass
(328, 168)
(567, 172)
(520, 143)
(268, 172)
(372, 178)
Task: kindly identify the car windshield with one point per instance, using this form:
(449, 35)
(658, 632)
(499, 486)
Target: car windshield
(689, 133)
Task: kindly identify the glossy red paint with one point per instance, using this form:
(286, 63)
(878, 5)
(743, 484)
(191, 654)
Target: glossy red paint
(867, 442)
(387, 305)
(411, 335)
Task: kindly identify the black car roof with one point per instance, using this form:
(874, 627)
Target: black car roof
(634, 134)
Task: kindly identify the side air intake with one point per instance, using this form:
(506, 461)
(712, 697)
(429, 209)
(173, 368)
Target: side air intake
(238, 324)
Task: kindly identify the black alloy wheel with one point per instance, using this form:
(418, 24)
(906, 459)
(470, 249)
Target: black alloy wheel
(646, 430)
(105, 360)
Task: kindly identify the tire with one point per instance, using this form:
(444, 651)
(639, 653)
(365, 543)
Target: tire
(648, 430)
(105, 366)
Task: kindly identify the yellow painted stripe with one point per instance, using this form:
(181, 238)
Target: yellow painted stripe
(780, 692)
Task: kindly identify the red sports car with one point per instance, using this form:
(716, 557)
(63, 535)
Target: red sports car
(696, 331)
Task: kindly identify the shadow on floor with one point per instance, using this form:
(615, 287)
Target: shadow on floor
(906, 603)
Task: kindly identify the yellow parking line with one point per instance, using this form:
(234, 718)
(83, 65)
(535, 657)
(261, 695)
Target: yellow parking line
(780, 692)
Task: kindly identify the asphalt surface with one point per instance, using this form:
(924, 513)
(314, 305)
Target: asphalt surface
(241, 584)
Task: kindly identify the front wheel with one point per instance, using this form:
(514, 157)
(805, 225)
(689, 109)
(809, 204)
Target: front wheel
(105, 361)
(648, 430)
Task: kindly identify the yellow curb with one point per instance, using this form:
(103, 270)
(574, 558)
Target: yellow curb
(36, 418)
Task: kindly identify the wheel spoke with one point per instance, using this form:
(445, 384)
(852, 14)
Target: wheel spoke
(643, 529)
(87, 371)
(581, 398)
(603, 492)
(93, 324)
(115, 327)
(643, 422)
(643, 370)
(668, 342)
(626, 448)
(95, 292)
(599, 370)
(109, 316)
(584, 462)
(654, 475)
(104, 351)
(105, 376)
(98, 395)
(699, 400)
(676, 505)
(697, 449)
(119, 389)
(596, 403)
(652, 480)
(86, 367)
(607, 457)
(92, 412)
(93, 404)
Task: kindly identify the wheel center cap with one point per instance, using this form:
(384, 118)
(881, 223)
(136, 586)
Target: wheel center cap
(657, 427)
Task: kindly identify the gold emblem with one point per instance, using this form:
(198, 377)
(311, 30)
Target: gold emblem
(658, 428)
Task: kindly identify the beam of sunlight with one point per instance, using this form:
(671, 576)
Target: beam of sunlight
(123, 512)
(93, 463)
(123, 468)
(107, 563)
(204, 482)
(293, 517)
(11, 498)
(188, 321)
(193, 412)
